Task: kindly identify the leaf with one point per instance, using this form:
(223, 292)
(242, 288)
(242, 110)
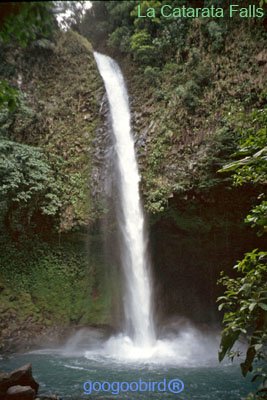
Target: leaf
(255, 377)
(246, 287)
(252, 306)
(263, 306)
(227, 341)
(235, 164)
(258, 346)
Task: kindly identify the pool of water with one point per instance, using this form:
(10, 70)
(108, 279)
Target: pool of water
(65, 375)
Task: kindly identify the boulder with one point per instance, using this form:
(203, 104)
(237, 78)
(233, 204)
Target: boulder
(19, 392)
(21, 376)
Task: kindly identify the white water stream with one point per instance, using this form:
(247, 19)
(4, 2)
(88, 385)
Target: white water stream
(139, 326)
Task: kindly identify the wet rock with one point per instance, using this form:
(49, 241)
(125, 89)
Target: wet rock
(20, 393)
(102, 155)
(23, 376)
(19, 377)
(20, 385)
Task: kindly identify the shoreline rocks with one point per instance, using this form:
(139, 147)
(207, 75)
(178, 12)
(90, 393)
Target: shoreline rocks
(54, 337)
(19, 384)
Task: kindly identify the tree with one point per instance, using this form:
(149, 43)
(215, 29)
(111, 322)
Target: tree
(245, 298)
(27, 22)
(245, 305)
(28, 186)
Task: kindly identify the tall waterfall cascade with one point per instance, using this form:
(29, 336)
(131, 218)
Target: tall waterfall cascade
(138, 342)
(139, 325)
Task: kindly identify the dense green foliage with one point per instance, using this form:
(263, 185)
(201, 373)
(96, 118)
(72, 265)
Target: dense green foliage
(245, 298)
(154, 40)
(46, 128)
(188, 80)
(26, 117)
(27, 21)
(258, 217)
(28, 185)
(46, 284)
(253, 167)
(245, 304)
(9, 97)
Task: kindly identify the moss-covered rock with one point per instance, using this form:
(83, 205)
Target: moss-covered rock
(50, 282)
(60, 99)
(45, 288)
(186, 113)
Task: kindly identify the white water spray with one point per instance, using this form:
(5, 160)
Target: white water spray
(137, 303)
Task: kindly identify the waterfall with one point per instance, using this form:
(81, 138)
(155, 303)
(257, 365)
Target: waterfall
(137, 305)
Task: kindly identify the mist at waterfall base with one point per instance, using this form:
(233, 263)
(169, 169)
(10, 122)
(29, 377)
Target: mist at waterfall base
(64, 370)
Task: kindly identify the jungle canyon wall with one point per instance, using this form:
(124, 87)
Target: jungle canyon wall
(187, 115)
(51, 279)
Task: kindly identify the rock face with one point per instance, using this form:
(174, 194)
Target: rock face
(63, 102)
(102, 155)
(18, 384)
